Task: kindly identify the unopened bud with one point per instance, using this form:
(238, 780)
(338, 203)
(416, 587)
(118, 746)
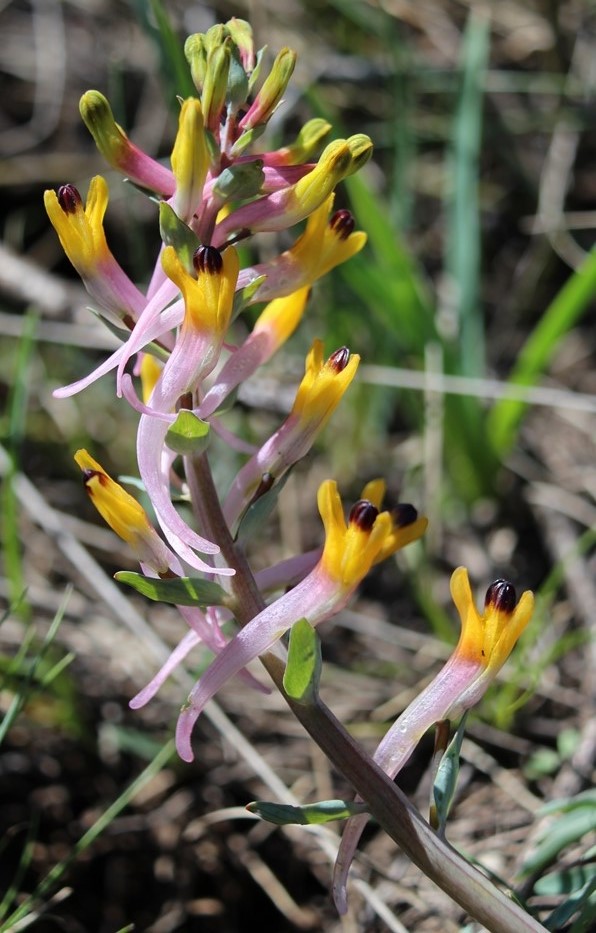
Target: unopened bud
(196, 56)
(272, 90)
(241, 33)
(215, 85)
(361, 148)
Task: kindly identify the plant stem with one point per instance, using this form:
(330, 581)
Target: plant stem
(388, 805)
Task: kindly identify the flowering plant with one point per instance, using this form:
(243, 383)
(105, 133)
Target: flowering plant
(220, 189)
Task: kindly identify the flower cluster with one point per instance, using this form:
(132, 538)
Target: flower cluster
(177, 364)
(179, 368)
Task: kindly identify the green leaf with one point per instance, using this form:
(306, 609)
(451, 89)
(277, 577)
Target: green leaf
(257, 513)
(312, 814)
(247, 139)
(174, 232)
(240, 181)
(583, 901)
(303, 668)
(446, 778)
(565, 882)
(155, 21)
(567, 830)
(462, 240)
(243, 298)
(181, 591)
(188, 435)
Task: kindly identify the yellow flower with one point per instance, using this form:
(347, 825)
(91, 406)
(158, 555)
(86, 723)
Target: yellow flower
(123, 514)
(79, 228)
(209, 298)
(326, 241)
(323, 385)
(368, 537)
(489, 638)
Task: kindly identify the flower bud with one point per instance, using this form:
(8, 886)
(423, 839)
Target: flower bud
(241, 33)
(196, 56)
(213, 98)
(117, 149)
(271, 92)
(361, 148)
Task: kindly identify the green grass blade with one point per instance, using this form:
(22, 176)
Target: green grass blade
(15, 426)
(392, 281)
(560, 316)
(462, 261)
(173, 63)
(29, 680)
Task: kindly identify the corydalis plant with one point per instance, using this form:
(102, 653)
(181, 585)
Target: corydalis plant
(178, 366)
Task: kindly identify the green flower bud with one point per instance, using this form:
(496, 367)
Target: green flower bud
(215, 86)
(272, 90)
(196, 56)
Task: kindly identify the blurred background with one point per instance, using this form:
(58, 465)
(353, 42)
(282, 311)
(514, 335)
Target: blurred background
(473, 309)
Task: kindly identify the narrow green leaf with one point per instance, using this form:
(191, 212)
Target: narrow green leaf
(155, 21)
(247, 139)
(566, 881)
(393, 273)
(188, 435)
(561, 315)
(182, 591)
(258, 512)
(462, 261)
(445, 782)
(325, 811)
(582, 901)
(303, 668)
(243, 297)
(564, 832)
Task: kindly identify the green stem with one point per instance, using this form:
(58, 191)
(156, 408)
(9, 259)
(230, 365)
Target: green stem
(388, 805)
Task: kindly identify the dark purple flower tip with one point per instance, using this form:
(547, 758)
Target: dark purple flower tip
(342, 223)
(363, 514)
(339, 359)
(501, 596)
(88, 475)
(207, 259)
(404, 514)
(69, 199)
